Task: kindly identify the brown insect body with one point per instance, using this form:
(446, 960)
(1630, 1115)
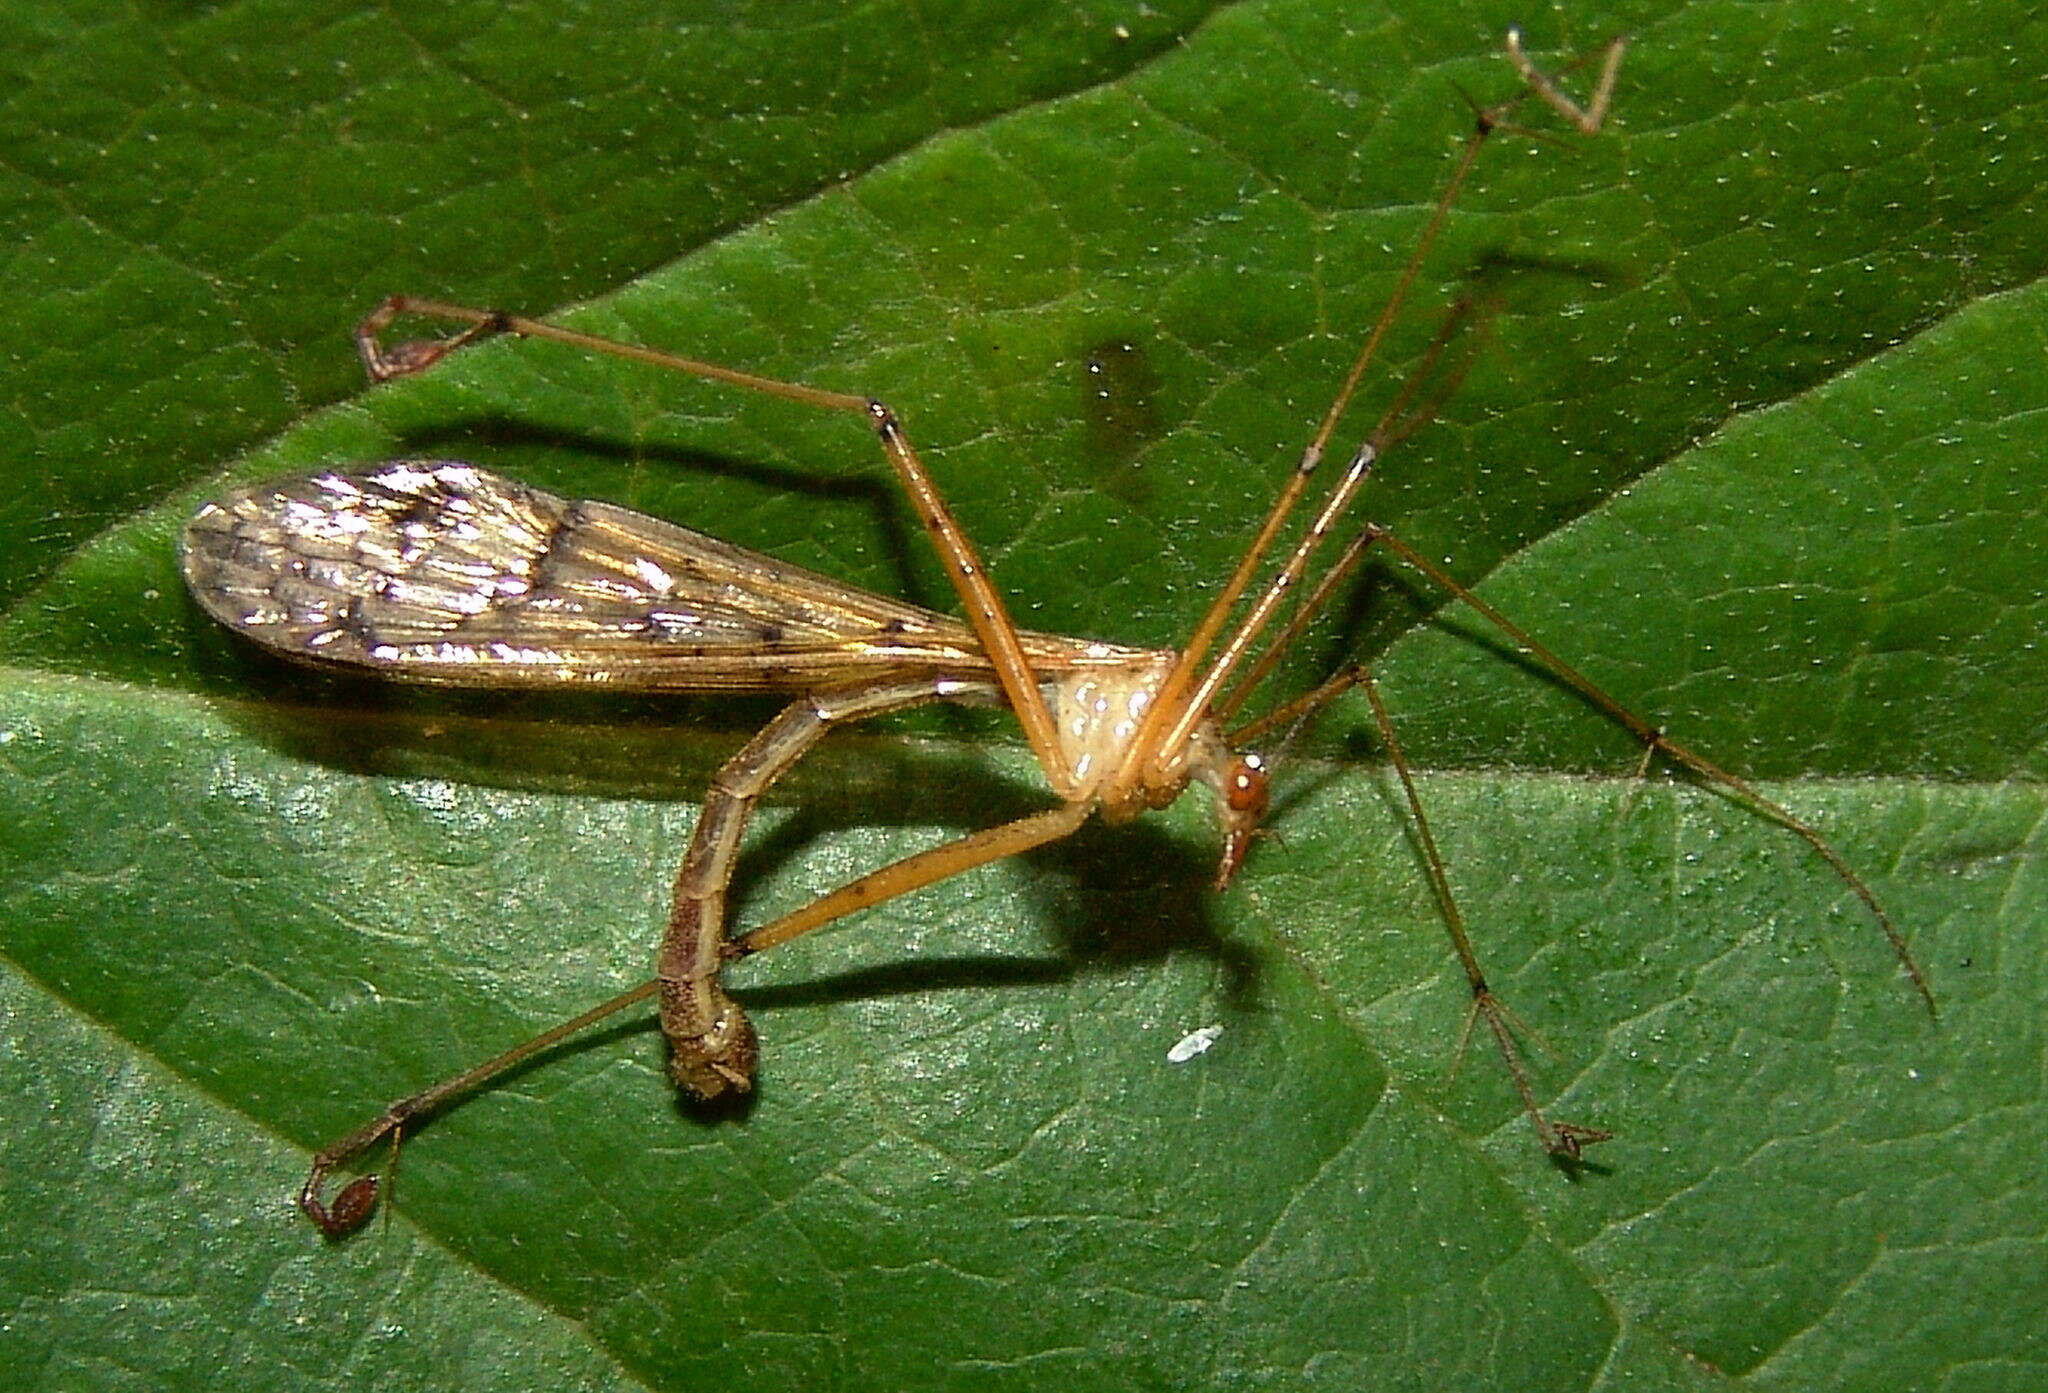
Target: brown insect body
(440, 572)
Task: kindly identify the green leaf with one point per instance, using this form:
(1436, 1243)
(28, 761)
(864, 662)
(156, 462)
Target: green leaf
(1752, 438)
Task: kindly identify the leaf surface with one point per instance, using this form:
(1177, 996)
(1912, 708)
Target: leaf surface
(1753, 437)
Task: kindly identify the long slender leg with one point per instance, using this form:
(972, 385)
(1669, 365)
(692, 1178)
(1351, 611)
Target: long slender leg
(1560, 1139)
(1655, 740)
(1403, 418)
(357, 1198)
(712, 1048)
(1588, 117)
(711, 1043)
(917, 871)
(986, 612)
(1181, 702)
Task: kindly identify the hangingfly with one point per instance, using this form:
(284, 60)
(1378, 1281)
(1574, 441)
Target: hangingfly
(440, 572)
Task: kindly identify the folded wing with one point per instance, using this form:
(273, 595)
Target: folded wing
(440, 572)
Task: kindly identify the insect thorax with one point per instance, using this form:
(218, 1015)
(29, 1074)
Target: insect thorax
(1098, 713)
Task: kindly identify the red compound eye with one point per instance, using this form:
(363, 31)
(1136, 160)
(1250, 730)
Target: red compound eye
(1245, 786)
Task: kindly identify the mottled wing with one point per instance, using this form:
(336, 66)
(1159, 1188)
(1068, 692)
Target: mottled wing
(440, 572)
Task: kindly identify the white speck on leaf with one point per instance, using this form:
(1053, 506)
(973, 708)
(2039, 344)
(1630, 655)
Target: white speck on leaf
(1193, 1043)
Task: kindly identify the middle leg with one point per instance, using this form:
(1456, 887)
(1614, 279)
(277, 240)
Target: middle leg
(986, 612)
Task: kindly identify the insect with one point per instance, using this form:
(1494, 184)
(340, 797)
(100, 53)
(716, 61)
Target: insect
(439, 572)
